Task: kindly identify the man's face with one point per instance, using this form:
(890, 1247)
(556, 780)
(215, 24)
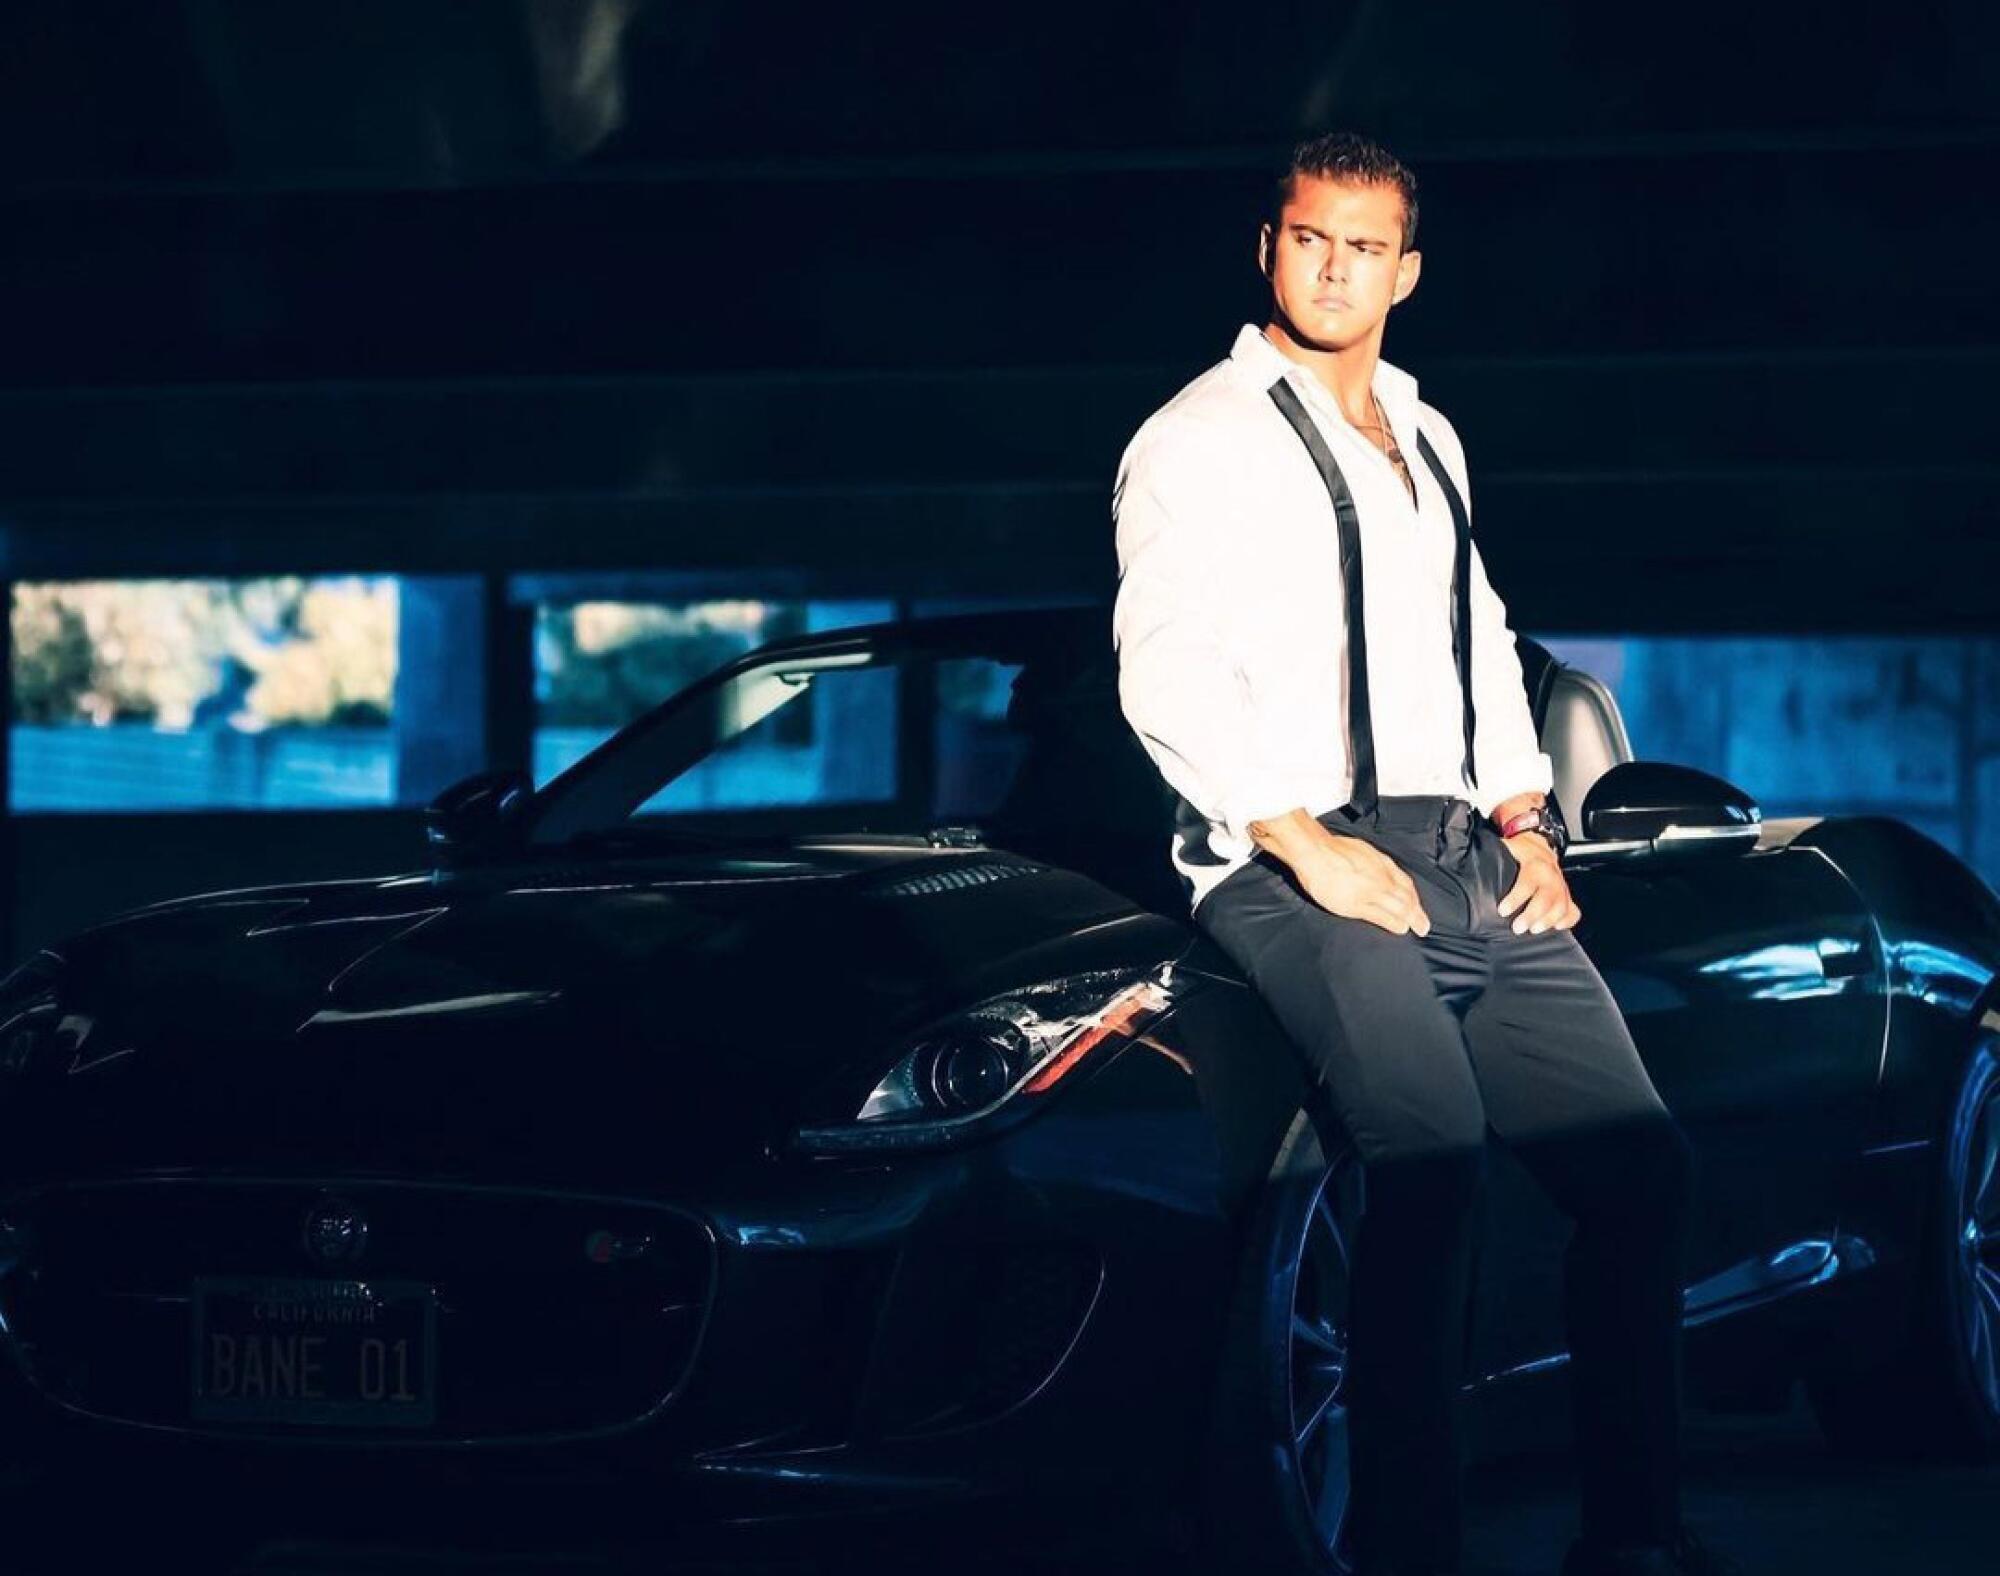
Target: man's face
(1335, 260)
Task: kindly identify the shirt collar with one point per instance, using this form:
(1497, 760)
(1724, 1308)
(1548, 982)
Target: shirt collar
(1263, 363)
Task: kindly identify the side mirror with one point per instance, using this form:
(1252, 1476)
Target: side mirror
(477, 814)
(1674, 808)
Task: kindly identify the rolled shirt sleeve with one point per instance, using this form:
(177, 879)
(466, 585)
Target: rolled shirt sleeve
(1179, 682)
(1507, 757)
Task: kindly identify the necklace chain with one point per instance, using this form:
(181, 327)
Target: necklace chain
(1391, 450)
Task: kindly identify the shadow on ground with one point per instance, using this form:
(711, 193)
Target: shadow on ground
(1767, 1490)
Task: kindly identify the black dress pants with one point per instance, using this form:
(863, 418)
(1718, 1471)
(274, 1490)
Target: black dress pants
(1424, 1043)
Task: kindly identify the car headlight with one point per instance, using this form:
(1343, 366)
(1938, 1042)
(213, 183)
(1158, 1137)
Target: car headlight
(988, 1066)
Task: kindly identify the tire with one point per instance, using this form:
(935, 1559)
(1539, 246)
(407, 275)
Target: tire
(1929, 1383)
(1273, 1492)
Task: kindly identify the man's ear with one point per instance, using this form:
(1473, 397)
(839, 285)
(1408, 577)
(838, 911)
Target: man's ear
(1264, 249)
(1408, 267)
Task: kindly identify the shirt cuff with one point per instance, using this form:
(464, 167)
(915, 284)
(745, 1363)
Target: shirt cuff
(1534, 775)
(1261, 799)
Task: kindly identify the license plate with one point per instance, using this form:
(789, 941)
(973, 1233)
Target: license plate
(361, 1353)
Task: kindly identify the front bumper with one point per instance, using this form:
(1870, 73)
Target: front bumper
(1035, 1317)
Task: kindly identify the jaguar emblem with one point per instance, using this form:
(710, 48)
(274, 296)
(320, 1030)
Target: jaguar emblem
(336, 1232)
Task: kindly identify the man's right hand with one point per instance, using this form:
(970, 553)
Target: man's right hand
(1344, 875)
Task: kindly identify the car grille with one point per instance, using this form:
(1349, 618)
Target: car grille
(556, 1315)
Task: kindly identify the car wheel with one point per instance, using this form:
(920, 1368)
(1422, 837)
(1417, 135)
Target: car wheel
(1932, 1380)
(1274, 1493)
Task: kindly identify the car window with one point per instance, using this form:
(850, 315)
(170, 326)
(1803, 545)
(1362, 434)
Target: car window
(976, 754)
(908, 739)
(786, 740)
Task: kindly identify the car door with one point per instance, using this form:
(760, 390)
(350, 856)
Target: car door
(1752, 985)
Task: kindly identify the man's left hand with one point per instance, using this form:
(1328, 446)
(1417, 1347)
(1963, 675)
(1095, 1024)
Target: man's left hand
(1541, 888)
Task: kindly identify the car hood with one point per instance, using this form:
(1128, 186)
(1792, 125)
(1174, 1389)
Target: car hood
(610, 1023)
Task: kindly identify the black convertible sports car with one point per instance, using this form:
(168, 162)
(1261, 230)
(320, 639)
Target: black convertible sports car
(910, 1153)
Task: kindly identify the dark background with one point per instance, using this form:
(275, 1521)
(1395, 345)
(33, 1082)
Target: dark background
(864, 301)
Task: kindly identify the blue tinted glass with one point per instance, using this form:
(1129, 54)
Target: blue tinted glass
(977, 753)
(834, 744)
(601, 662)
(1849, 725)
(277, 693)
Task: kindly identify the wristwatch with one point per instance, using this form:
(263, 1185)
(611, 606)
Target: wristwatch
(1546, 819)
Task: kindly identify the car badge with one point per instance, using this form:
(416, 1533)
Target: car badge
(336, 1231)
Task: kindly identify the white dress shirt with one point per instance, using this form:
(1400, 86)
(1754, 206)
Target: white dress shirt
(1230, 622)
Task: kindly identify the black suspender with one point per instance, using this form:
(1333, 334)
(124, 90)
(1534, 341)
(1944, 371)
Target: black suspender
(1461, 592)
(1360, 731)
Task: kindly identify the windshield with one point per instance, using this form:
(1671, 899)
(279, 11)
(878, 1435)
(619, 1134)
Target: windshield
(868, 740)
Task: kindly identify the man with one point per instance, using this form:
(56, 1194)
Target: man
(1311, 653)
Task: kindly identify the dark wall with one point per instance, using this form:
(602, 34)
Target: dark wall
(615, 283)
(877, 295)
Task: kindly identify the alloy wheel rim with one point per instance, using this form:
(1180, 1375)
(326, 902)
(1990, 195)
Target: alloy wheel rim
(1317, 1367)
(1979, 1244)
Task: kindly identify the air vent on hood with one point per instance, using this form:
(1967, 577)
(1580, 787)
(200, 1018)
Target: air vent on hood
(956, 878)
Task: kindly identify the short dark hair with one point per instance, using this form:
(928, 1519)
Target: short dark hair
(1348, 156)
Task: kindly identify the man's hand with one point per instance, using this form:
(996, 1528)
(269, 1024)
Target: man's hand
(1541, 888)
(1354, 879)
(1344, 875)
